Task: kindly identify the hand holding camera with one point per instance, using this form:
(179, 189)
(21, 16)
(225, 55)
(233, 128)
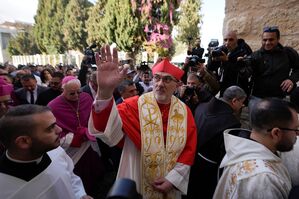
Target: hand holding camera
(220, 54)
(89, 57)
(194, 63)
(187, 92)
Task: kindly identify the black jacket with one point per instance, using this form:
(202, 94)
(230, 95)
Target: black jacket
(270, 68)
(211, 118)
(231, 69)
(196, 51)
(21, 94)
(45, 97)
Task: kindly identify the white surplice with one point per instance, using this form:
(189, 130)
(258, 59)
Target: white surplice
(251, 171)
(291, 161)
(56, 181)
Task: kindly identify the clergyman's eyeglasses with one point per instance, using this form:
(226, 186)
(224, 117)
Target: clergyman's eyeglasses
(286, 129)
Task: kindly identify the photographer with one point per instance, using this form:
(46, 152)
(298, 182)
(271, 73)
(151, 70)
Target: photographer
(86, 64)
(196, 65)
(226, 60)
(200, 86)
(197, 50)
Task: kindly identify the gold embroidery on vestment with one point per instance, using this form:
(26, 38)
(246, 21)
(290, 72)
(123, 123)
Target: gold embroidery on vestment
(157, 157)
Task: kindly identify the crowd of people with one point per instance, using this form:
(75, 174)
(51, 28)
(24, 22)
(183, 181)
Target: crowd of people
(177, 133)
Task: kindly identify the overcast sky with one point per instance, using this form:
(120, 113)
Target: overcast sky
(212, 10)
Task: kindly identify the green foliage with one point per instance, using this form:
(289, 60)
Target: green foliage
(23, 43)
(109, 22)
(128, 31)
(189, 20)
(94, 23)
(114, 21)
(49, 25)
(75, 24)
(75, 34)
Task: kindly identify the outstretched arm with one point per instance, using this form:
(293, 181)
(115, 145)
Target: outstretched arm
(109, 73)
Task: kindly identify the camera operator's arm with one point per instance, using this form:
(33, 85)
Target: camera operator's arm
(83, 71)
(209, 79)
(186, 70)
(221, 58)
(181, 91)
(245, 65)
(213, 65)
(212, 82)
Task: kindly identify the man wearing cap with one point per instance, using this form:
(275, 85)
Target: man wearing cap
(72, 109)
(156, 130)
(274, 68)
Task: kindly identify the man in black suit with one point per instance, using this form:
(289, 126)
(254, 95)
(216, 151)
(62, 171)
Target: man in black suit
(92, 86)
(54, 90)
(196, 50)
(212, 118)
(30, 91)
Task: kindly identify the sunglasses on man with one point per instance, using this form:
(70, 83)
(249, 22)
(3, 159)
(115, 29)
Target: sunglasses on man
(270, 29)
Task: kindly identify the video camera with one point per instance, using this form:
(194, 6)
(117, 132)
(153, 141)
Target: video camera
(189, 91)
(90, 54)
(214, 43)
(218, 51)
(194, 60)
(143, 66)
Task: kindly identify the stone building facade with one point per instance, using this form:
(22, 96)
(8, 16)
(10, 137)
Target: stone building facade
(249, 17)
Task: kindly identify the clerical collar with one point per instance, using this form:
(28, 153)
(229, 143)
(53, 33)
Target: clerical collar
(37, 161)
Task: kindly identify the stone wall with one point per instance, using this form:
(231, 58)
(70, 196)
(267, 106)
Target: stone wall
(249, 17)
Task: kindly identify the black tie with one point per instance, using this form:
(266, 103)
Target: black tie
(31, 97)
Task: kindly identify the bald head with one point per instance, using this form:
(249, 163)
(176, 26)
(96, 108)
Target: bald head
(230, 40)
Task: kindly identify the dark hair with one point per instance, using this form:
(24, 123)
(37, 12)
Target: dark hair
(18, 121)
(269, 113)
(42, 74)
(27, 77)
(272, 29)
(58, 74)
(123, 85)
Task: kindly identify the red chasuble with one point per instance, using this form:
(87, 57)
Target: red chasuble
(129, 114)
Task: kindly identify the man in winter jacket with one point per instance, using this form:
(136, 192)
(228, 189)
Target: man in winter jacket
(274, 68)
(227, 58)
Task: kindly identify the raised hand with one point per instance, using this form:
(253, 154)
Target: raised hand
(109, 75)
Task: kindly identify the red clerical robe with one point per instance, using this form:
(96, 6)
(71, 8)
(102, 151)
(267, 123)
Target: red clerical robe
(130, 126)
